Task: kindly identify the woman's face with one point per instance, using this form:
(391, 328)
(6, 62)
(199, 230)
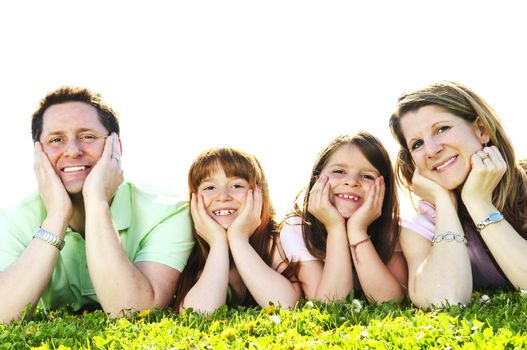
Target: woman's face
(441, 144)
(351, 177)
(223, 196)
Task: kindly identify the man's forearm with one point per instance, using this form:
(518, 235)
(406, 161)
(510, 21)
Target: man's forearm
(26, 279)
(119, 285)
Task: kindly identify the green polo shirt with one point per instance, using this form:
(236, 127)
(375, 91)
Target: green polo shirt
(153, 227)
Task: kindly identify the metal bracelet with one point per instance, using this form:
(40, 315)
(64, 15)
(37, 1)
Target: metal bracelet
(49, 237)
(450, 237)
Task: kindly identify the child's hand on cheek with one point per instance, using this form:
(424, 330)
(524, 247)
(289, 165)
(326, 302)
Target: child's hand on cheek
(248, 219)
(206, 227)
(370, 210)
(320, 206)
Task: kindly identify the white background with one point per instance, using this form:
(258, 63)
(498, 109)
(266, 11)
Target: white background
(276, 78)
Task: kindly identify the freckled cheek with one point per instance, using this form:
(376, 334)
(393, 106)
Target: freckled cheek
(207, 199)
(240, 196)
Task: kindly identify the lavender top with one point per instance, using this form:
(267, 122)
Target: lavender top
(484, 270)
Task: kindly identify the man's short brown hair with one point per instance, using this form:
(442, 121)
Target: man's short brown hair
(107, 116)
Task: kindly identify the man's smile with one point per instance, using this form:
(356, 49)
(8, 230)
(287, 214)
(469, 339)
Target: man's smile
(75, 168)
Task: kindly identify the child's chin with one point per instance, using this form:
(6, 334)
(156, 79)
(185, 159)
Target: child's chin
(224, 223)
(346, 213)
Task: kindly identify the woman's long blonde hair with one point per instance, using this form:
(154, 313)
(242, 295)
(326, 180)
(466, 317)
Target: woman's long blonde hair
(510, 196)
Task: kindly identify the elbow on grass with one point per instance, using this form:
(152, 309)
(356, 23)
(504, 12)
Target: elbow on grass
(441, 301)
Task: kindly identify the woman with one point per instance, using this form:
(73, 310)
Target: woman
(471, 228)
(346, 232)
(236, 259)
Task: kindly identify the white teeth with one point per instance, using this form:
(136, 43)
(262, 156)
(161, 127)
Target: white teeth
(74, 168)
(446, 163)
(223, 212)
(345, 196)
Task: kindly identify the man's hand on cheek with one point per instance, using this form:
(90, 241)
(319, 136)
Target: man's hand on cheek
(106, 176)
(50, 187)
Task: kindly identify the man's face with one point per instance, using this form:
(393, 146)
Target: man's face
(73, 139)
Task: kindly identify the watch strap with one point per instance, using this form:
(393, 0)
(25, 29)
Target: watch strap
(490, 219)
(49, 237)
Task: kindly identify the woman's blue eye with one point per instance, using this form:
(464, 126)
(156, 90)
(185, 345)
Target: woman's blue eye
(416, 144)
(368, 177)
(442, 129)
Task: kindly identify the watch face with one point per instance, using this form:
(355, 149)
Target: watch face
(495, 217)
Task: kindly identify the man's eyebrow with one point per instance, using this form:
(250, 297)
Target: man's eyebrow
(58, 132)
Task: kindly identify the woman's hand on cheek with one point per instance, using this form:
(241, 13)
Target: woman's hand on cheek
(205, 226)
(249, 218)
(370, 210)
(429, 190)
(320, 206)
(488, 167)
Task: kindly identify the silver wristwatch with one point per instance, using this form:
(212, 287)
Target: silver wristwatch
(49, 237)
(492, 218)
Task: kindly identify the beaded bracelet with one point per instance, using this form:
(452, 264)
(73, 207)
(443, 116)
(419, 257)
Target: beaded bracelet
(353, 247)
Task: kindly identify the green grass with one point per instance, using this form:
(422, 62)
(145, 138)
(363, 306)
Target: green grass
(499, 322)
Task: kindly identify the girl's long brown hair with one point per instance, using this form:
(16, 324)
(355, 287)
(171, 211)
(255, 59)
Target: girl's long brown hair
(384, 231)
(510, 195)
(235, 163)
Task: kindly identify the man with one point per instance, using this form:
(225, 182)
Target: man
(88, 238)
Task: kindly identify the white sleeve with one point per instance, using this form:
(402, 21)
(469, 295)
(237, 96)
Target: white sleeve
(292, 241)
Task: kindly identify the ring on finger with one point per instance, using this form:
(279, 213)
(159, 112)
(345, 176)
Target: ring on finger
(116, 157)
(485, 156)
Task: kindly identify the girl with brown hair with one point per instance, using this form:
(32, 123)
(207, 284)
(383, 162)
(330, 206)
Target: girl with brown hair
(236, 259)
(345, 234)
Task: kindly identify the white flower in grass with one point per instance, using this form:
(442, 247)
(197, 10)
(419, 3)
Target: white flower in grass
(484, 298)
(309, 304)
(275, 319)
(523, 291)
(357, 305)
(364, 334)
